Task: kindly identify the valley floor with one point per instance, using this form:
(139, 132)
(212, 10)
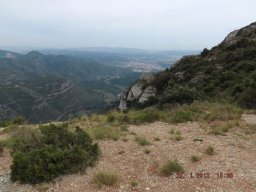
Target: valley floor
(235, 153)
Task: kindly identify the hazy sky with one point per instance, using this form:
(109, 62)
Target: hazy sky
(150, 24)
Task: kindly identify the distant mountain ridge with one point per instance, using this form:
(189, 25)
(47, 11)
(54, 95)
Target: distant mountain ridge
(53, 87)
(227, 71)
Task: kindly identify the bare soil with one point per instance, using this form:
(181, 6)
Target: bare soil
(235, 156)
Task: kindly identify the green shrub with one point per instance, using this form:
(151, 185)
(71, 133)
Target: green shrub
(178, 137)
(179, 95)
(222, 112)
(58, 152)
(194, 158)
(205, 52)
(142, 141)
(147, 151)
(5, 123)
(250, 129)
(181, 116)
(202, 111)
(209, 150)
(134, 183)
(25, 136)
(217, 131)
(156, 139)
(121, 152)
(144, 116)
(170, 167)
(19, 120)
(105, 178)
(220, 128)
(111, 118)
(198, 139)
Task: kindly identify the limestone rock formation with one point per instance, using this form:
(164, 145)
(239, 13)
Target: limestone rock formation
(147, 93)
(138, 92)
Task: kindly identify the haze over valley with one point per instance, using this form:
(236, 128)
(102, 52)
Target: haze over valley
(36, 84)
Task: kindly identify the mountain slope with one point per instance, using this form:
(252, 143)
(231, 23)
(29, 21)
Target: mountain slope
(47, 87)
(226, 71)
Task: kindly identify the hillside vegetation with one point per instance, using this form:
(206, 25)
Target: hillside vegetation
(55, 87)
(227, 71)
(161, 144)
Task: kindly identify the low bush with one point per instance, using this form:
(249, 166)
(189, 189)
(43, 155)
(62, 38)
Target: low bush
(105, 178)
(220, 128)
(170, 167)
(134, 183)
(181, 116)
(19, 120)
(250, 129)
(147, 151)
(121, 152)
(198, 139)
(196, 111)
(111, 118)
(144, 116)
(221, 111)
(203, 111)
(194, 158)
(142, 141)
(157, 139)
(5, 123)
(59, 151)
(209, 150)
(178, 137)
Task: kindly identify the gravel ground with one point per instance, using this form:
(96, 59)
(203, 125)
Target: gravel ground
(234, 154)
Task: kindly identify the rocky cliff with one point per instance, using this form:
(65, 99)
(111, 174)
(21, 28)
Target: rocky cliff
(141, 91)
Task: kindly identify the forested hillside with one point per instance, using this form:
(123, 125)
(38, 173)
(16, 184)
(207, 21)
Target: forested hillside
(227, 71)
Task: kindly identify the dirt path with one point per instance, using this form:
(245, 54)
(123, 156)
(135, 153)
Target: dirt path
(235, 154)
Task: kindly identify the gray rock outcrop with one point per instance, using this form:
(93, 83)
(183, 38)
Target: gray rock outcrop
(138, 92)
(147, 93)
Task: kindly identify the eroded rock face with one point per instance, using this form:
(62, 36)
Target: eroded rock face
(122, 105)
(231, 36)
(234, 36)
(137, 92)
(147, 93)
